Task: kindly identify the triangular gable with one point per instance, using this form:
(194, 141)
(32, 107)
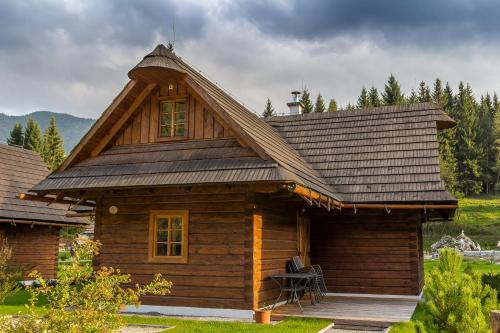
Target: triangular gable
(246, 126)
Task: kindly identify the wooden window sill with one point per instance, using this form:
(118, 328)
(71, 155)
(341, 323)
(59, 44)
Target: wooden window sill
(159, 260)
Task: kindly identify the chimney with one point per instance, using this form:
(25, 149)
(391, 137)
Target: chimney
(295, 106)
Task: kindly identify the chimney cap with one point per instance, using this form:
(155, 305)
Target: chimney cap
(296, 92)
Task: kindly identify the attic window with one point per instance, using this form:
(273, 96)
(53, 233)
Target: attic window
(172, 119)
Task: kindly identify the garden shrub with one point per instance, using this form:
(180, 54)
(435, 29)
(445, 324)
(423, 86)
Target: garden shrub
(83, 300)
(9, 277)
(492, 280)
(457, 302)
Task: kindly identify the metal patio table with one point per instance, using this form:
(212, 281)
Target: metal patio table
(294, 283)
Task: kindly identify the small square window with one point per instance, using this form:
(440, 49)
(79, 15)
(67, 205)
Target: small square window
(168, 236)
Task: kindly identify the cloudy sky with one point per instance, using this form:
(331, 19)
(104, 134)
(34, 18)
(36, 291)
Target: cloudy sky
(73, 55)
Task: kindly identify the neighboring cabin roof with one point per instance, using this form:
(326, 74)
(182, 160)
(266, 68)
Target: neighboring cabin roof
(385, 154)
(20, 169)
(175, 163)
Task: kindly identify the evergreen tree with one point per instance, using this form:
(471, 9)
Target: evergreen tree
(364, 99)
(447, 143)
(424, 93)
(332, 106)
(16, 135)
(320, 104)
(33, 136)
(374, 97)
(53, 148)
(413, 98)
(350, 107)
(486, 140)
(468, 154)
(268, 109)
(497, 143)
(392, 94)
(438, 95)
(305, 100)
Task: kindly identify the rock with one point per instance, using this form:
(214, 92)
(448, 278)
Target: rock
(461, 243)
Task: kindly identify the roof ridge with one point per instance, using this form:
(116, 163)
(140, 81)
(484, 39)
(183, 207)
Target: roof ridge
(250, 116)
(357, 112)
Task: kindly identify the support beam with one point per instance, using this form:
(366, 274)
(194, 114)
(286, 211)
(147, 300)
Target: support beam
(126, 116)
(311, 196)
(109, 110)
(32, 197)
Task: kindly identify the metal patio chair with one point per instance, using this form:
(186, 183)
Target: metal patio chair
(298, 266)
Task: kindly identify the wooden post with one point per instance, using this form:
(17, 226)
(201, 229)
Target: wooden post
(495, 321)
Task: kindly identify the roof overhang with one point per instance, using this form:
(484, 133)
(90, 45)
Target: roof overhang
(445, 210)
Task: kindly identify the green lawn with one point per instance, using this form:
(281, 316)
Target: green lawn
(14, 305)
(479, 217)
(292, 325)
(481, 266)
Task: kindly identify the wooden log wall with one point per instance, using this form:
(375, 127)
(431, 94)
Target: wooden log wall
(370, 252)
(275, 242)
(214, 275)
(201, 122)
(34, 248)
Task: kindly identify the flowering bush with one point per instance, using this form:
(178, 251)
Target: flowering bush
(83, 299)
(8, 277)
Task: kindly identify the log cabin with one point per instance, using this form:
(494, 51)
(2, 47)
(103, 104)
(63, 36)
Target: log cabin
(30, 228)
(190, 183)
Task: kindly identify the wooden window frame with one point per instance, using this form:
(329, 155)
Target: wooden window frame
(172, 100)
(183, 258)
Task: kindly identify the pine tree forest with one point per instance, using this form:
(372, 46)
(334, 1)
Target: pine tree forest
(49, 146)
(469, 153)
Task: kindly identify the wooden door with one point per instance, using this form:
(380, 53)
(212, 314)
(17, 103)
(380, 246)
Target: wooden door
(303, 238)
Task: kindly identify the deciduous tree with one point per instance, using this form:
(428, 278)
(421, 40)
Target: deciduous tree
(332, 106)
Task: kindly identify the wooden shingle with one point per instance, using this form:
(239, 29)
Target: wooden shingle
(20, 170)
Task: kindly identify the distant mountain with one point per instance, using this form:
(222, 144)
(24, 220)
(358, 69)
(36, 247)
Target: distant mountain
(70, 127)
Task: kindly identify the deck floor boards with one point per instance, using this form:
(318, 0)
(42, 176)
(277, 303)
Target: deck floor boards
(352, 310)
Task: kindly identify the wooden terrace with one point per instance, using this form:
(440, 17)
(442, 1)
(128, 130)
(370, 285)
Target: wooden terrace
(353, 311)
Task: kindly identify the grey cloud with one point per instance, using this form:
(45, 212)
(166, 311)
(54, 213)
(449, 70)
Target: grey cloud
(75, 59)
(424, 21)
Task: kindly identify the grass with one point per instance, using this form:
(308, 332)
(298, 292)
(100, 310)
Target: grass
(15, 304)
(481, 266)
(479, 217)
(291, 325)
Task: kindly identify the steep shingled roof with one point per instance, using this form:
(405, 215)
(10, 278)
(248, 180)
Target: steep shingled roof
(20, 169)
(386, 154)
(176, 163)
(261, 137)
